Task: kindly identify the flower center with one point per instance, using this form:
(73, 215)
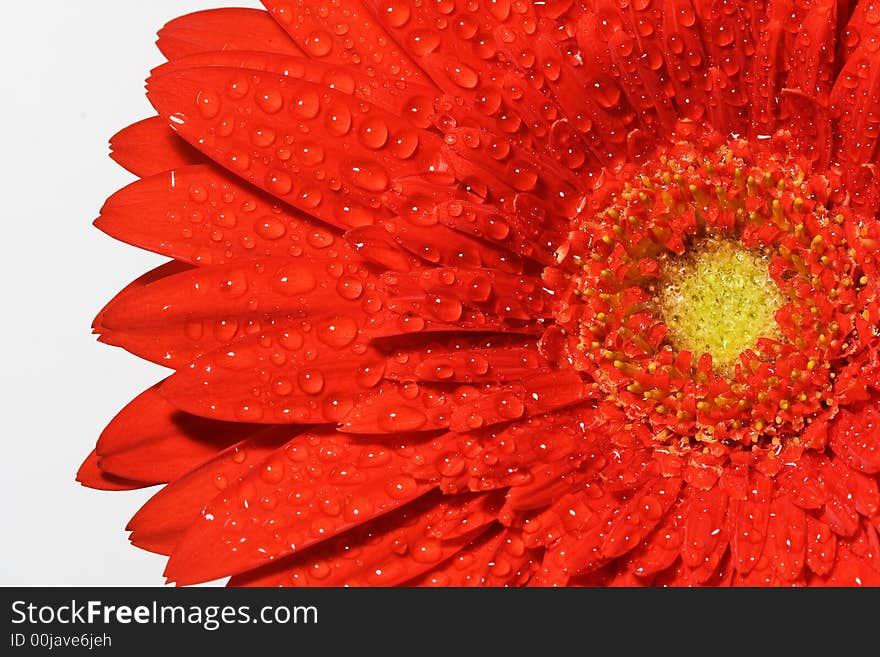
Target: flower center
(719, 299)
(717, 292)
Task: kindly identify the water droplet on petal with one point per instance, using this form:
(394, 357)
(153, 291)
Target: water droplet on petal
(370, 176)
(401, 487)
(235, 285)
(510, 407)
(338, 332)
(291, 280)
(278, 182)
(404, 144)
(462, 75)
(401, 419)
(270, 101)
(350, 287)
(373, 133)
(396, 12)
(318, 43)
(310, 381)
(307, 104)
(209, 104)
(269, 228)
(263, 137)
(338, 120)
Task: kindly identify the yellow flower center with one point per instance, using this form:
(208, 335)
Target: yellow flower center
(719, 299)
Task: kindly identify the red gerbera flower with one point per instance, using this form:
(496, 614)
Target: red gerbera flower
(503, 293)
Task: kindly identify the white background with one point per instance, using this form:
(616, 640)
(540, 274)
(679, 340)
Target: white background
(72, 76)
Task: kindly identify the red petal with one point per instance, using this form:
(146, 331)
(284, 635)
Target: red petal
(661, 548)
(286, 376)
(854, 438)
(809, 50)
(160, 524)
(687, 64)
(308, 171)
(514, 232)
(497, 558)
(200, 309)
(529, 455)
(849, 570)
(404, 408)
(151, 440)
(447, 289)
(229, 28)
(638, 517)
(544, 392)
(730, 43)
(705, 521)
(821, 546)
(496, 359)
(840, 510)
(347, 35)
(435, 245)
(203, 215)
(390, 98)
(160, 272)
(809, 122)
(546, 482)
(315, 487)
(385, 552)
(509, 71)
(91, 475)
(786, 538)
(855, 98)
(632, 55)
(750, 518)
(802, 483)
(866, 545)
(150, 146)
(578, 548)
(770, 48)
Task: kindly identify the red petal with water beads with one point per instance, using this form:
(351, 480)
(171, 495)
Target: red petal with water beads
(150, 146)
(786, 538)
(749, 519)
(496, 359)
(331, 291)
(849, 570)
(317, 486)
(347, 35)
(661, 548)
(853, 438)
(203, 215)
(458, 53)
(706, 515)
(497, 558)
(326, 153)
(340, 150)
(633, 56)
(855, 98)
(387, 551)
(636, 518)
(268, 287)
(230, 28)
(410, 407)
(162, 522)
(375, 135)
(150, 440)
